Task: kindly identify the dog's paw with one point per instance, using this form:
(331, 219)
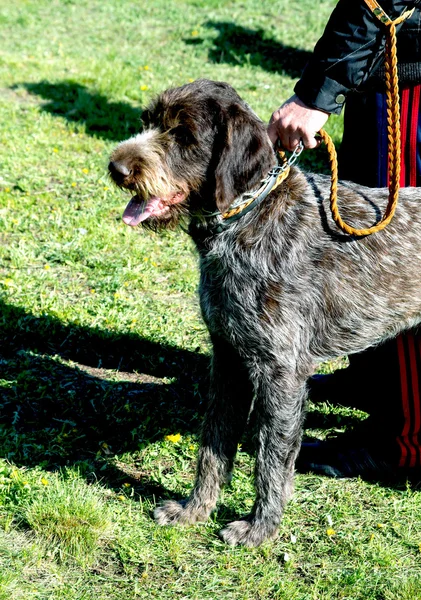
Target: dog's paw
(246, 533)
(172, 512)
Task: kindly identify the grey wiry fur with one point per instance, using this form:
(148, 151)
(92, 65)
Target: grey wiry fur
(281, 289)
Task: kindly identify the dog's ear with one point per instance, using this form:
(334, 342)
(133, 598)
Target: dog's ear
(245, 154)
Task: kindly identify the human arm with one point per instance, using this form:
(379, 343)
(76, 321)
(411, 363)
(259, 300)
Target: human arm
(349, 50)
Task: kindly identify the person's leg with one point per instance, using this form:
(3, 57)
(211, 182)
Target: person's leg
(383, 381)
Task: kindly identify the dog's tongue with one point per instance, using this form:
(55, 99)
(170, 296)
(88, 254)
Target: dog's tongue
(137, 211)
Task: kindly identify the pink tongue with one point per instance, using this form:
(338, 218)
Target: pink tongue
(136, 211)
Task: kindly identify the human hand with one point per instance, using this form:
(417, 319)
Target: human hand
(295, 121)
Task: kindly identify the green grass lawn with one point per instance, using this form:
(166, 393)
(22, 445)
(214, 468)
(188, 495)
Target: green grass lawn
(103, 353)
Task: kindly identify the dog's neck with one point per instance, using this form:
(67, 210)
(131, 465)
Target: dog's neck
(216, 222)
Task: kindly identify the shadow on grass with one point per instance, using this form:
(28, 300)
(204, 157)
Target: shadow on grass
(238, 45)
(76, 103)
(55, 412)
(77, 395)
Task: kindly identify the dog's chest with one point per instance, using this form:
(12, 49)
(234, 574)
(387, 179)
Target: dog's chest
(230, 294)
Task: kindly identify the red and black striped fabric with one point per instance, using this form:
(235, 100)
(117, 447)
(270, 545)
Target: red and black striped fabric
(395, 408)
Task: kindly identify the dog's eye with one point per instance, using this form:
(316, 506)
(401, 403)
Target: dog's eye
(183, 135)
(146, 118)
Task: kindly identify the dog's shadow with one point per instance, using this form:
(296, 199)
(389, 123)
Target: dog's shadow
(73, 395)
(74, 102)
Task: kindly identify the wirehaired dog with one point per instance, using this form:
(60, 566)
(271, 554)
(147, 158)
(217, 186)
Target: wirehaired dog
(281, 289)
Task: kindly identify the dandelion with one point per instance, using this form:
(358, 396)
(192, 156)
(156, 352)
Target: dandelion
(126, 485)
(74, 184)
(92, 291)
(45, 481)
(8, 282)
(146, 67)
(122, 498)
(330, 532)
(173, 438)
(7, 189)
(380, 525)
(55, 149)
(195, 33)
(106, 188)
(144, 88)
(47, 267)
(86, 171)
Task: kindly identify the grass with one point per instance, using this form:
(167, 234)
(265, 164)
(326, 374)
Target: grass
(102, 350)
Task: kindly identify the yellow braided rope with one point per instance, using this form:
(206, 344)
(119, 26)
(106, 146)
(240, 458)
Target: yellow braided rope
(393, 131)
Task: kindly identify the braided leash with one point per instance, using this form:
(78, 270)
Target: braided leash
(393, 131)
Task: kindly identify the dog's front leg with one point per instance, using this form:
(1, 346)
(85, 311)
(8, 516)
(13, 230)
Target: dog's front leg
(230, 398)
(279, 408)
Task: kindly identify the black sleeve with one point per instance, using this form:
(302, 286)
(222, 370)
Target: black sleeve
(352, 44)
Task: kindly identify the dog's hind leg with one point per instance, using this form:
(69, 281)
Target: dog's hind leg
(230, 399)
(279, 408)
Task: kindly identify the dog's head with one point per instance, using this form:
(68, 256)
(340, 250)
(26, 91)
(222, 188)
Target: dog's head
(201, 147)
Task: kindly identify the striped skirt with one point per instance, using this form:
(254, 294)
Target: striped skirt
(394, 406)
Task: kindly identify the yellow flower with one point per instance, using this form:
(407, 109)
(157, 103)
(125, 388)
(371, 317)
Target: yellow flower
(7, 189)
(74, 184)
(143, 88)
(8, 282)
(380, 525)
(173, 438)
(55, 149)
(127, 485)
(146, 67)
(86, 171)
(45, 481)
(92, 291)
(195, 33)
(330, 532)
(122, 498)
(47, 267)
(106, 189)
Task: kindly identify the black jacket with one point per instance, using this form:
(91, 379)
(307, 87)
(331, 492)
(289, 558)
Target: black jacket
(350, 53)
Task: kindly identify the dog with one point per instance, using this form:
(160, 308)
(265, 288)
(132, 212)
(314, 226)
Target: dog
(281, 288)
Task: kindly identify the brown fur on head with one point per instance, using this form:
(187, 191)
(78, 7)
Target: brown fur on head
(202, 147)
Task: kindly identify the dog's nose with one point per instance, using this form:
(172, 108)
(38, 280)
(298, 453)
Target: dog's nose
(118, 170)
